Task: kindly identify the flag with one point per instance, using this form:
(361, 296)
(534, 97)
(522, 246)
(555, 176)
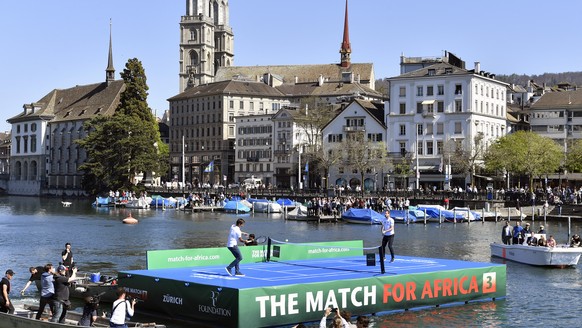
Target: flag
(306, 166)
(209, 168)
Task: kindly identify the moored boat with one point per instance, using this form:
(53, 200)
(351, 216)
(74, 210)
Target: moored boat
(267, 207)
(24, 317)
(559, 256)
(236, 206)
(362, 216)
(300, 213)
(94, 284)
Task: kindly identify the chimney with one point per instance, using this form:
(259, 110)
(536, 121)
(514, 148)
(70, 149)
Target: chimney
(477, 67)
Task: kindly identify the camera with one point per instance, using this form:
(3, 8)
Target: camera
(131, 299)
(333, 309)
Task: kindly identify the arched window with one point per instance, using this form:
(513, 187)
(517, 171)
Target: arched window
(25, 171)
(18, 171)
(33, 170)
(194, 59)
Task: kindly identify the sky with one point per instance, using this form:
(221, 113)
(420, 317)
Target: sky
(50, 45)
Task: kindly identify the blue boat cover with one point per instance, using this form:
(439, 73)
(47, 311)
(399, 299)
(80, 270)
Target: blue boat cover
(233, 206)
(364, 215)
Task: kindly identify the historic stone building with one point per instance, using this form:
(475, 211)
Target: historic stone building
(44, 155)
(213, 91)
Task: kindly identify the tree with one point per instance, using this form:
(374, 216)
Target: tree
(524, 153)
(573, 161)
(465, 159)
(362, 155)
(126, 143)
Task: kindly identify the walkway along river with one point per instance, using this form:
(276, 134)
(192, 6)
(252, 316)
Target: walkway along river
(34, 232)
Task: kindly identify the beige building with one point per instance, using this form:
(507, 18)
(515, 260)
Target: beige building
(44, 158)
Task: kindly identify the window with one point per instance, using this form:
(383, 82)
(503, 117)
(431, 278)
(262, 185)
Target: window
(419, 129)
(419, 148)
(458, 89)
(429, 129)
(440, 106)
(402, 108)
(252, 105)
(402, 148)
(440, 90)
(476, 89)
(440, 147)
(419, 91)
(458, 128)
(241, 105)
(458, 106)
(230, 104)
(402, 92)
(419, 108)
(429, 148)
(429, 90)
(402, 129)
(440, 128)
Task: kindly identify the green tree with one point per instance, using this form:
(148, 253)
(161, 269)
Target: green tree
(524, 153)
(574, 157)
(127, 143)
(363, 155)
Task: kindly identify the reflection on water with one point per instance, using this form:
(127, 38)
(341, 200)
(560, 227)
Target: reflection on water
(35, 230)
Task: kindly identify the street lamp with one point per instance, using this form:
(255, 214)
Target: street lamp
(183, 162)
(299, 177)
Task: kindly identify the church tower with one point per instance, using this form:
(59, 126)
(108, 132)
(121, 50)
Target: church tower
(110, 70)
(346, 49)
(206, 41)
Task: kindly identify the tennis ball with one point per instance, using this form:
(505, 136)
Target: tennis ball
(286, 240)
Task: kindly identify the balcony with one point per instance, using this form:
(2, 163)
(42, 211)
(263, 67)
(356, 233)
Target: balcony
(252, 159)
(282, 152)
(354, 128)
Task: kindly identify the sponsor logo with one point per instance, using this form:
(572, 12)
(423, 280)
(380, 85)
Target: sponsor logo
(215, 309)
(137, 293)
(173, 299)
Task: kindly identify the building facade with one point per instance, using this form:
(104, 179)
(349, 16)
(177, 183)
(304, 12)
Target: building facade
(206, 41)
(253, 149)
(44, 155)
(440, 104)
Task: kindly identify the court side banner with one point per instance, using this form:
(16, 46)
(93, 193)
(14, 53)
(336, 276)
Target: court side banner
(194, 257)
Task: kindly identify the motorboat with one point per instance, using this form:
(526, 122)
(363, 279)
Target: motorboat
(286, 202)
(362, 216)
(25, 317)
(267, 207)
(92, 284)
(236, 206)
(467, 214)
(437, 213)
(559, 256)
(400, 216)
(300, 213)
(140, 203)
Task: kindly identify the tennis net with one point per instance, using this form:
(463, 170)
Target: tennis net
(353, 255)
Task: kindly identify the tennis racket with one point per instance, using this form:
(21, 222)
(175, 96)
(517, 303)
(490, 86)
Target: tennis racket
(261, 239)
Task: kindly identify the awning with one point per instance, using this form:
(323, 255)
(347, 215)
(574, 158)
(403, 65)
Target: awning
(483, 177)
(428, 167)
(428, 102)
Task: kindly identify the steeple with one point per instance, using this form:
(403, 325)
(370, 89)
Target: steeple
(110, 71)
(346, 50)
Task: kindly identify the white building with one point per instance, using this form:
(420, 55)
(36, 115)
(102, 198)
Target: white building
(361, 117)
(253, 154)
(439, 102)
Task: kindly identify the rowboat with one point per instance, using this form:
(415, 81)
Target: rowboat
(24, 317)
(560, 256)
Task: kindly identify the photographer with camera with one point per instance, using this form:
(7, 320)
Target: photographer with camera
(338, 320)
(89, 311)
(122, 307)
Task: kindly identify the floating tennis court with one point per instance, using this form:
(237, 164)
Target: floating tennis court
(290, 283)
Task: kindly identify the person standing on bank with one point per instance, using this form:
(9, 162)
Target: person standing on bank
(5, 303)
(234, 237)
(507, 233)
(67, 257)
(387, 236)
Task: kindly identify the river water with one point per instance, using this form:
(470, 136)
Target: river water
(34, 232)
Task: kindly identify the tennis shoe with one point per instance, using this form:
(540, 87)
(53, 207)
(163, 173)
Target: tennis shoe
(228, 271)
(392, 260)
(239, 274)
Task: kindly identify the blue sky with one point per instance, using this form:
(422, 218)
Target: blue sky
(60, 44)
